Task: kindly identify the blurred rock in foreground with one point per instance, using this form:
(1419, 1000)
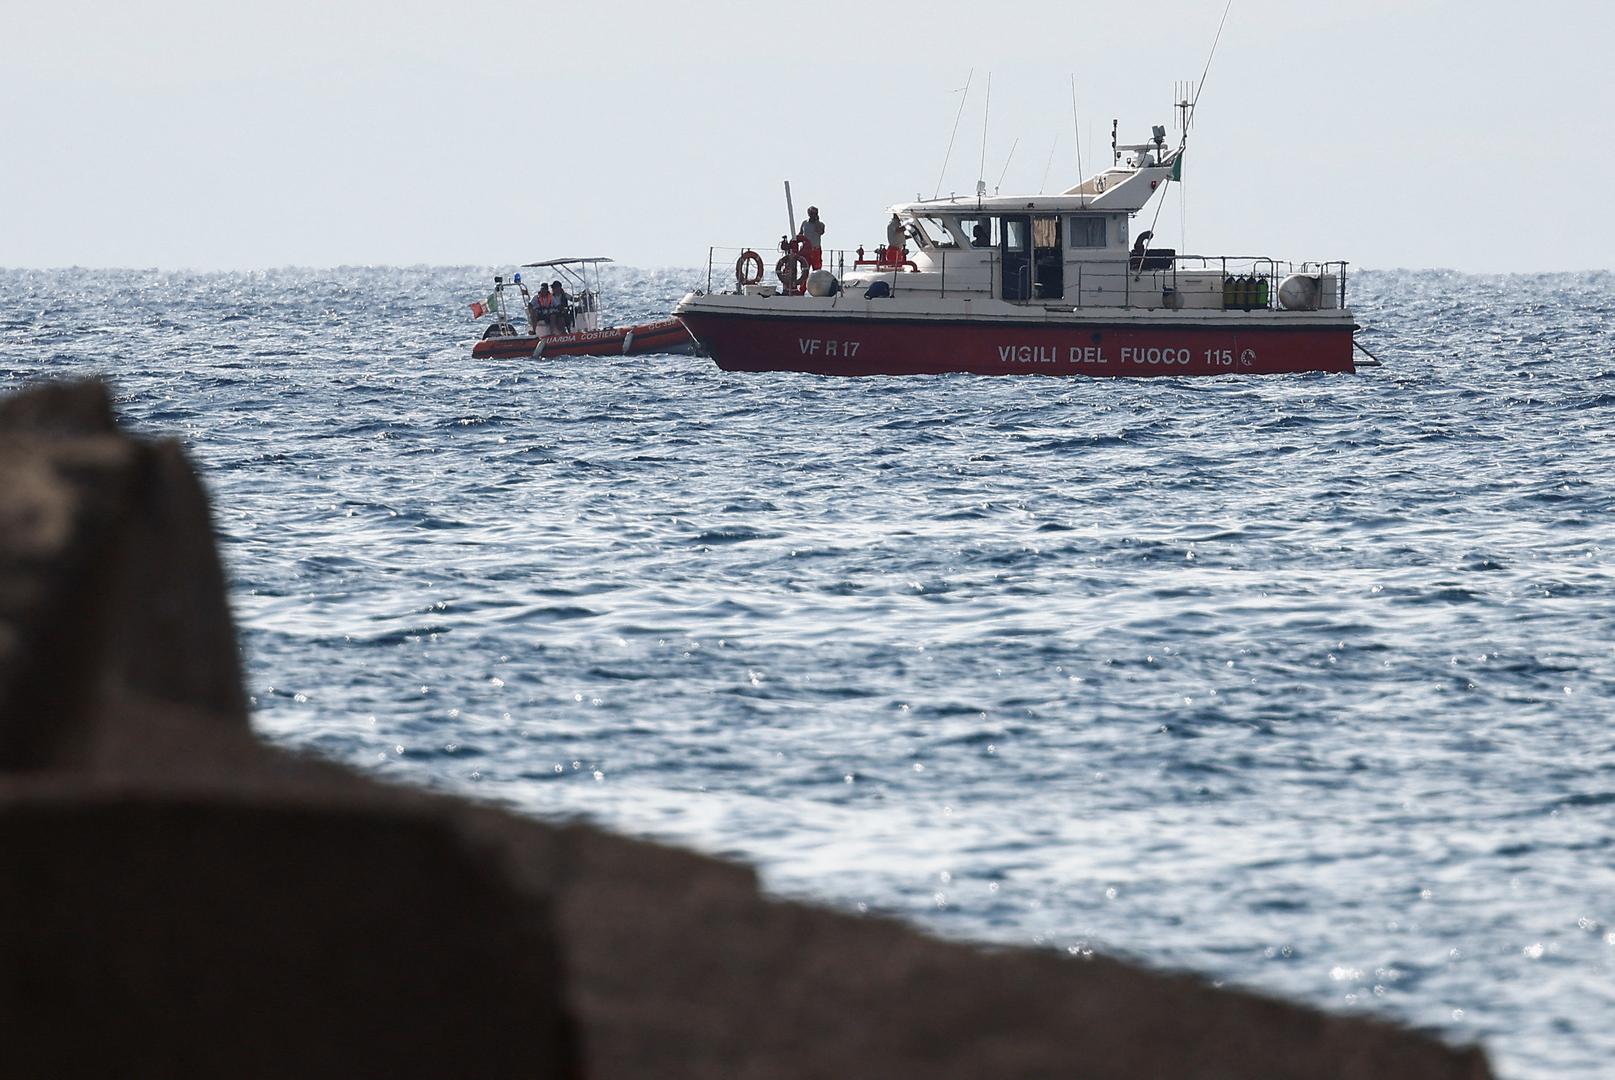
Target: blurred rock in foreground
(178, 899)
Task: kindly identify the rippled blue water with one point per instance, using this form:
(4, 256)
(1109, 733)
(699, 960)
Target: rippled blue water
(1303, 683)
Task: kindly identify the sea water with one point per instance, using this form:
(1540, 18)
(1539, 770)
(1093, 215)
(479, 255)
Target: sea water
(1303, 683)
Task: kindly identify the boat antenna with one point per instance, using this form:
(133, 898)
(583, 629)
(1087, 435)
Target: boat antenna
(1007, 160)
(1076, 132)
(1181, 93)
(986, 113)
(1044, 186)
(1188, 120)
(956, 116)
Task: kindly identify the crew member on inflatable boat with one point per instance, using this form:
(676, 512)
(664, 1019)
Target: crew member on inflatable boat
(812, 233)
(543, 307)
(535, 317)
(563, 306)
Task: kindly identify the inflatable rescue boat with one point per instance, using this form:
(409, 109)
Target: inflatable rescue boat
(562, 318)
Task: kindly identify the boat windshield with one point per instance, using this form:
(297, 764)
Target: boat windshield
(963, 232)
(928, 237)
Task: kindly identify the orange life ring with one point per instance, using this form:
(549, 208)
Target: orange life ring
(748, 268)
(791, 270)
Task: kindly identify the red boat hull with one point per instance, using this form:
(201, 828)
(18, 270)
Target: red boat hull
(865, 346)
(667, 335)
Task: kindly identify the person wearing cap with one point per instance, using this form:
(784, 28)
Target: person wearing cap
(812, 234)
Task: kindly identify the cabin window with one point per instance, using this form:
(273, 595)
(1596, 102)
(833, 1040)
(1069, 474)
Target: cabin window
(1087, 231)
(1015, 230)
(978, 232)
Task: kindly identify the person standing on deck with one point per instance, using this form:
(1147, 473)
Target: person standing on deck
(894, 239)
(812, 234)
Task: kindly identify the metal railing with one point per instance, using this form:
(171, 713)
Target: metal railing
(1264, 268)
(1247, 282)
(723, 266)
(835, 260)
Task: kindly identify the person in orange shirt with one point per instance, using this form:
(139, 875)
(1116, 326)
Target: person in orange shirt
(543, 309)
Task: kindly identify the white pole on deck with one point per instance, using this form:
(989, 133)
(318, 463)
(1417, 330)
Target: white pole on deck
(790, 213)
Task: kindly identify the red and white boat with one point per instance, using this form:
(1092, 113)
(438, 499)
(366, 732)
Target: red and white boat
(572, 329)
(1032, 284)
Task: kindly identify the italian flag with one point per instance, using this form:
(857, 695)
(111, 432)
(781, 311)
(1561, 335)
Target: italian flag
(479, 308)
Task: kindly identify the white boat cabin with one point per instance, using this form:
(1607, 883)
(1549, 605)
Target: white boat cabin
(1073, 249)
(1067, 251)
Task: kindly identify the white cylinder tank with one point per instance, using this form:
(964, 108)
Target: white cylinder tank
(1309, 292)
(1300, 292)
(822, 283)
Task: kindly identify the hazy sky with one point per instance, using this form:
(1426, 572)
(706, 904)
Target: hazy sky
(1474, 135)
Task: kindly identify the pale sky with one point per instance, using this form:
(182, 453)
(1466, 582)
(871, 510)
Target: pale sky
(1423, 133)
